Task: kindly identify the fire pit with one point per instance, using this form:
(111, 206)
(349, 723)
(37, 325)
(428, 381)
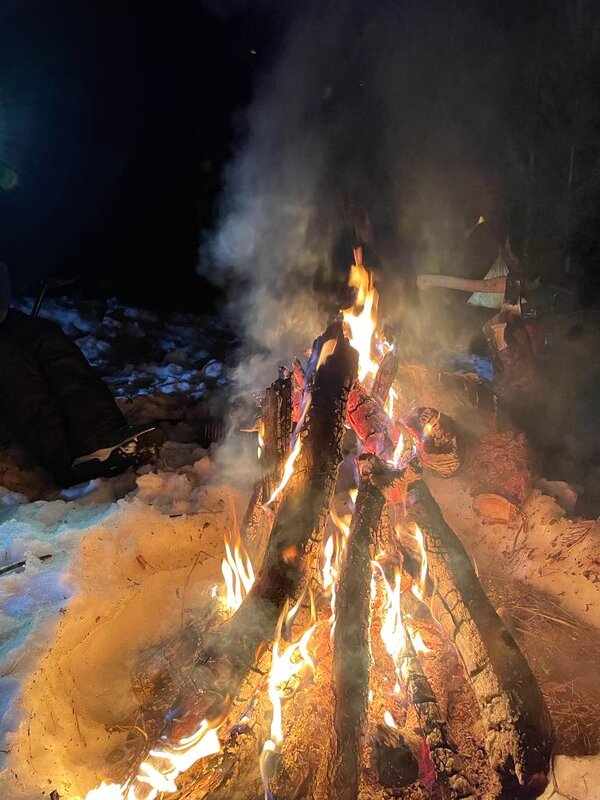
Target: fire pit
(363, 659)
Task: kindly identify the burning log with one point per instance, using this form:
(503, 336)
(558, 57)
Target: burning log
(519, 734)
(441, 446)
(385, 377)
(351, 654)
(298, 379)
(228, 653)
(276, 426)
(252, 521)
(444, 752)
(370, 422)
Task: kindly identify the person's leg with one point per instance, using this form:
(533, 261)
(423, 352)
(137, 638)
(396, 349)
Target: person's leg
(30, 412)
(88, 409)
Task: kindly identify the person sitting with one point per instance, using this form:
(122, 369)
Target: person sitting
(57, 406)
(514, 336)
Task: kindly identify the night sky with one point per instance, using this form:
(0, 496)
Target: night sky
(116, 119)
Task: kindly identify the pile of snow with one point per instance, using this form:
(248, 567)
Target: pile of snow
(109, 567)
(139, 354)
(123, 575)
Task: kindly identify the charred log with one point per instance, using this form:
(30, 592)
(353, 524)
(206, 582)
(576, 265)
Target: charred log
(351, 652)
(385, 377)
(276, 420)
(227, 654)
(519, 734)
(253, 519)
(393, 758)
(442, 450)
(444, 752)
(298, 379)
(370, 422)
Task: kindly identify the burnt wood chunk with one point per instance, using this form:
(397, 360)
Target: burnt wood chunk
(385, 377)
(442, 450)
(370, 422)
(277, 430)
(444, 752)
(519, 733)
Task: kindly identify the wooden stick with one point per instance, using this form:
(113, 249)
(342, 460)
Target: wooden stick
(444, 752)
(277, 430)
(385, 377)
(519, 733)
(351, 652)
(227, 654)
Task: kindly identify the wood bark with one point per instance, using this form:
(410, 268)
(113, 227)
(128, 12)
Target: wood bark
(277, 431)
(441, 447)
(444, 752)
(519, 734)
(351, 651)
(385, 377)
(370, 422)
(227, 654)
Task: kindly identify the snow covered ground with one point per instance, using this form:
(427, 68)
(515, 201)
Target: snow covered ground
(104, 552)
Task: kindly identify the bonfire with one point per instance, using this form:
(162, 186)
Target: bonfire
(350, 650)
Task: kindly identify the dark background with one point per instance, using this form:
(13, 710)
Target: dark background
(117, 118)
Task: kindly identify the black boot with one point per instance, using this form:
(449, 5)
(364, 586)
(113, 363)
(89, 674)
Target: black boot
(130, 446)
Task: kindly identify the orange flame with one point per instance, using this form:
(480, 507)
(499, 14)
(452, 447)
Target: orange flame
(287, 668)
(332, 556)
(161, 769)
(423, 553)
(389, 403)
(238, 574)
(361, 319)
(327, 349)
(288, 471)
(389, 720)
(418, 643)
(398, 451)
(261, 441)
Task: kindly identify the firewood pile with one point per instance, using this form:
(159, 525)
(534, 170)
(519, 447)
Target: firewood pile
(364, 658)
